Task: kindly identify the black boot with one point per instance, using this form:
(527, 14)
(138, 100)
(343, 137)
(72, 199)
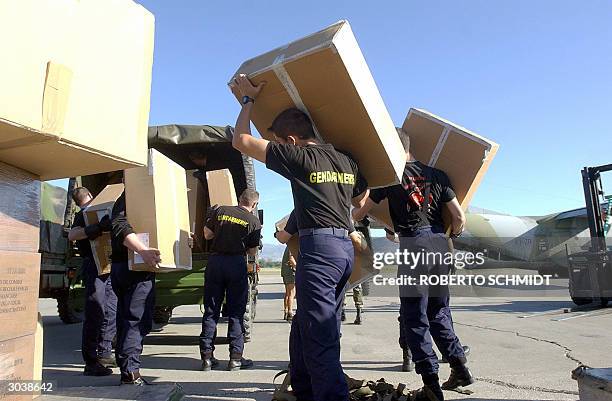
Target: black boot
(108, 361)
(431, 390)
(358, 318)
(237, 362)
(208, 361)
(97, 369)
(407, 364)
(460, 377)
(133, 378)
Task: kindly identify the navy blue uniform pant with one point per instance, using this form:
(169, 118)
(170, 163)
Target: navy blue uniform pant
(225, 278)
(322, 271)
(424, 310)
(135, 302)
(99, 324)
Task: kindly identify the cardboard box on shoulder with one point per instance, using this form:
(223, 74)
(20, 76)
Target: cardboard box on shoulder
(221, 190)
(463, 155)
(19, 209)
(19, 278)
(100, 206)
(197, 203)
(326, 76)
(363, 266)
(157, 209)
(76, 87)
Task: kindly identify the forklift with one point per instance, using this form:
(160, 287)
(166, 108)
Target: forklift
(590, 272)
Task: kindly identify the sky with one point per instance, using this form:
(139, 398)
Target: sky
(533, 76)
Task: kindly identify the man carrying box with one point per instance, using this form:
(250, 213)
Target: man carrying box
(323, 182)
(135, 292)
(235, 233)
(416, 208)
(99, 325)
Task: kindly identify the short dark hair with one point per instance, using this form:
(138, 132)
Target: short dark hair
(293, 121)
(405, 138)
(79, 194)
(249, 196)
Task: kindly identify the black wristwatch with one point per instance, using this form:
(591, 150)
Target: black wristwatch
(247, 99)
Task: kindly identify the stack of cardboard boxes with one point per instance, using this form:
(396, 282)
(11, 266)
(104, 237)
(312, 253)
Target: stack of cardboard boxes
(75, 100)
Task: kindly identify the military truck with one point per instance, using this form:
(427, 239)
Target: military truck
(197, 148)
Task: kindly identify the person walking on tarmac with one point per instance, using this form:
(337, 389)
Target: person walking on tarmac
(99, 326)
(235, 233)
(288, 265)
(135, 293)
(323, 182)
(416, 208)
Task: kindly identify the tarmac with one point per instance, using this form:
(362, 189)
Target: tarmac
(523, 348)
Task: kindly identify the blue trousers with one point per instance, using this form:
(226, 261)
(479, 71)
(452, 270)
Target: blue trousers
(425, 312)
(99, 324)
(225, 278)
(135, 302)
(323, 268)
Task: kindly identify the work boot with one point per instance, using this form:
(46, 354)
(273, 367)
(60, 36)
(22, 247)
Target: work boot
(237, 362)
(466, 352)
(108, 361)
(460, 377)
(426, 393)
(133, 378)
(407, 364)
(209, 362)
(97, 369)
(431, 390)
(358, 318)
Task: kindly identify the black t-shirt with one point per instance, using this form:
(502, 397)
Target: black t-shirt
(83, 244)
(323, 182)
(404, 212)
(235, 228)
(291, 226)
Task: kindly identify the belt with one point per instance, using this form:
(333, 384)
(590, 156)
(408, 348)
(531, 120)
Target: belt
(336, 232)
(410, 233)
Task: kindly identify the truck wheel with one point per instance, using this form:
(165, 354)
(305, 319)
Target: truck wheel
(249, 316)
(162, 314)
(68, 312)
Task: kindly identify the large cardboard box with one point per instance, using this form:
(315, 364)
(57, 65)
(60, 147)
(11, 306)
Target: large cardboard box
(363, 266)
(156, 207)
(19, 209)
(463, 155)
(19, 277)
(100, 206)
(197, 203)
(221, 189)
(326, 76)
(16, 364)
(75, 79)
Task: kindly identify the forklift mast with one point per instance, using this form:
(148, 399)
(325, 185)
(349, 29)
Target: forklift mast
(591, 182)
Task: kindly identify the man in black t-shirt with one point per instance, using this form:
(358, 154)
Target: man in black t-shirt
(135, 293)
(416, 208)
(235, 233)
(99, 325)
(324, 183)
